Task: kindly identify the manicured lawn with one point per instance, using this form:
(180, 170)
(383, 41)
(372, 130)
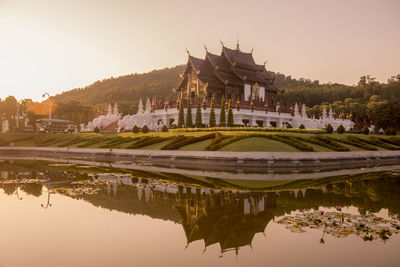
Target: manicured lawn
(199, 146)
(156, 146)
(258, 144)
(126, 140)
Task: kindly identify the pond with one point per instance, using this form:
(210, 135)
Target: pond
(57, 214)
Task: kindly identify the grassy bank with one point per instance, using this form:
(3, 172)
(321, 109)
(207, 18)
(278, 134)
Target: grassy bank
(272, 141)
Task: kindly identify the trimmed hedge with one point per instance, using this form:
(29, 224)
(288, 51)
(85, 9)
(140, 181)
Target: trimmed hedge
(90, 141)
(325, 141)
(148, 140)
(391, 140)
(187, 141)
(217, 139)
(71, 141)
(117, 141)
(373, 140)
(351, 140)
(251, 129)
(175, 140)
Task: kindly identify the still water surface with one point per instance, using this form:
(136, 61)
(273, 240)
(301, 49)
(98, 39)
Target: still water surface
(68, 215)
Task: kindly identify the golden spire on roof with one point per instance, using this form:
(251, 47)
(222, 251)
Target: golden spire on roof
(237, 44)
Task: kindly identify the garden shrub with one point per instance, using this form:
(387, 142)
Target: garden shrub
(302, 127)
(145, 129)
(135, 129)
(212, 121)
(230, 114)
(97, 129)
(189, 120)
(340, 129)
(329, 129)
(365, 130)
(289, 126)
(164, 128)
(390, 131)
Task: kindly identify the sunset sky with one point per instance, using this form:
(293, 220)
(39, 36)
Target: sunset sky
(53, 46)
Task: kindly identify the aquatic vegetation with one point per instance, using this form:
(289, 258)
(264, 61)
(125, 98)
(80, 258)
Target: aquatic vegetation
(76, 191)
(23, 181)
(368, 227)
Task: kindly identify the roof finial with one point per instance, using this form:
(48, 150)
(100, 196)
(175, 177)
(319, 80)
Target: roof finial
(205, 47)
(237, 44)
(251, 52)
(221, 43)
(187, 51)
(265, 63)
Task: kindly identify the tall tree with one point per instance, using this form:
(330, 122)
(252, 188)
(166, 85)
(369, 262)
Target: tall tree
(181, 116)
(189, 121)
(230, 114)
(222, 118)
(212, 122)
(199, 122)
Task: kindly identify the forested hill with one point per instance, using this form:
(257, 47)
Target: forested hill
(128, 88)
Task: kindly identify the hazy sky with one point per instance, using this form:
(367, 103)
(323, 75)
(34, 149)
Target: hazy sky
(53, 46)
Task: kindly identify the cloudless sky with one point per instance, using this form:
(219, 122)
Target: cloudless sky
(53, 46)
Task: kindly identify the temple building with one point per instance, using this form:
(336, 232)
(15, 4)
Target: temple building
(233, 75)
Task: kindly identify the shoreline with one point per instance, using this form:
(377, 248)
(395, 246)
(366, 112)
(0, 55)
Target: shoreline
(254, 162)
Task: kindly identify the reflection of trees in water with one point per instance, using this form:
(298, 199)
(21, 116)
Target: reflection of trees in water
(32, 189)
(233, 219)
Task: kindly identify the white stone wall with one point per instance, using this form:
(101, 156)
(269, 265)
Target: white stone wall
(157, 119)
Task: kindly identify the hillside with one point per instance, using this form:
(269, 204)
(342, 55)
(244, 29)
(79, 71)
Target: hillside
(128, 88)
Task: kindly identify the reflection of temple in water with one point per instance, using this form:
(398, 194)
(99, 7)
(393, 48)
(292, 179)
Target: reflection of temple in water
(230, 219)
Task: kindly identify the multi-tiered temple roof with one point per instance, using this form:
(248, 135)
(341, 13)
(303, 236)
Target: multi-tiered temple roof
(233, 68)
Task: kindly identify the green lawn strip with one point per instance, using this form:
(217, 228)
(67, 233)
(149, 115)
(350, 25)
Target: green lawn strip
(148, 140)
(29, 142)
(175, 140)
(374, 140)
(156, 146)
(69, 142)
(199, 146)
(116, 141)
(174, 145)
(258, 144)
(323, 142)
(281, 138)
(391, 140)
(355, 141)
(90, 142)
